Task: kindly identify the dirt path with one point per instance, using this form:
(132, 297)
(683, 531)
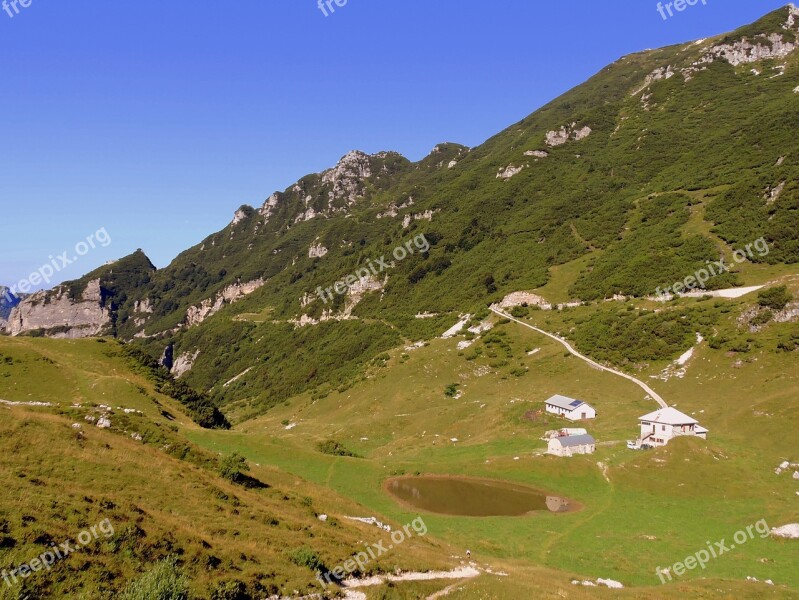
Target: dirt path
(350, 585)
(593, 363)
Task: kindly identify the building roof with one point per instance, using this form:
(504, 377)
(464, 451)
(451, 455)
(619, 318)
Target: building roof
(669, 416)
(700, 429)
(570, 441)
(565, 402)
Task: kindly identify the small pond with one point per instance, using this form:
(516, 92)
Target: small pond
(470, 497)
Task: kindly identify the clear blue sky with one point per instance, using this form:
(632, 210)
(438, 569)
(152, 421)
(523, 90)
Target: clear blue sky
(157, 119)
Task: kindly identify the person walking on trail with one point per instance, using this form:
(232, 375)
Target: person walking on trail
(468, 553)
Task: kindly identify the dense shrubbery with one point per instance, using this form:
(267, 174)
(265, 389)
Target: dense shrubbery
(622, 337)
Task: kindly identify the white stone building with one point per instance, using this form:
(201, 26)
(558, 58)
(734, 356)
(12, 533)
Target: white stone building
(571, 444)
(662, 426)
(574, 410)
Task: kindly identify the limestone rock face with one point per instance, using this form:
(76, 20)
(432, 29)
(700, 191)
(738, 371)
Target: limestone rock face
(316, 251)
(522, 298)
(346, 178)
(745, 51)
(269, 207)
(232, 293)
(560, 136)
(184, 363)
(509, 172)
(55, 310)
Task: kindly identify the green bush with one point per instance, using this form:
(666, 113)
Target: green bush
(306, 557)
(165, 581)
(762, 318)
(520, 311)
(230, 590)
(334, 448)
(233, 467)
(451, 390)
(775, 298)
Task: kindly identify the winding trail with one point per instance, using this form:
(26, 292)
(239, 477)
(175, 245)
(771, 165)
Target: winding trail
(593, 363)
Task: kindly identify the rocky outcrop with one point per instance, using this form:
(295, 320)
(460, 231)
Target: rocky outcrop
(744, 51)
(423, 216)
(346, 178)
(269, 207)
(355, 294)
(656, 75)
(772, 46)
(524, 299)
(57, 315)
(537, 153)
(239, 216)
(143, 306)
(231, 294)
(560, 136)
(184, 363)
(393, 208)
(773, 193)
(316, 251)
(509, 171)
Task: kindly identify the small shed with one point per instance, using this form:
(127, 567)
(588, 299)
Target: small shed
(572, 444)
(574, 410)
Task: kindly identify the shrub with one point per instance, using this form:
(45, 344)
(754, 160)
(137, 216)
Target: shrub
(164, 582)
(334, 448)
(520, 311)
(775, 298)
(451, 390)
(233, 467)
(230, 590)
(306, 557)
(762, 318)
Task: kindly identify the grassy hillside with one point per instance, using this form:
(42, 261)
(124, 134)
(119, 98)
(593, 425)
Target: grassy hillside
(165, 497)
(160, 494)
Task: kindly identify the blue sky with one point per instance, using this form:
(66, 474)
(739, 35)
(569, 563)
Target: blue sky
(156, 119)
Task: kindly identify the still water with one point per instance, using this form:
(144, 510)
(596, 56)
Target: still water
(474, 497)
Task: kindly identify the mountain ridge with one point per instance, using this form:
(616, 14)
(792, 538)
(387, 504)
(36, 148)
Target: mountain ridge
(660, 162)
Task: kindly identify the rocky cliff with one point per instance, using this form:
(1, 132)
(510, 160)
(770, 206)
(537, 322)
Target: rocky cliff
(56, 314)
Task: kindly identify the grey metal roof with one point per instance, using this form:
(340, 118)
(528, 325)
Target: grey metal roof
(576, 440)
(564, 402)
